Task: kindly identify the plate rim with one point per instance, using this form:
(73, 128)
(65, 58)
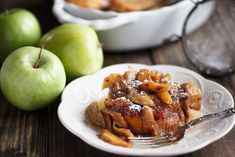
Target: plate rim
(146, 153)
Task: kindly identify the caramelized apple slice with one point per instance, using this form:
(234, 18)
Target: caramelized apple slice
(147, 75)
(143, 100)
(110, 80)
(165, 97)
(113, 139)
(155, 87)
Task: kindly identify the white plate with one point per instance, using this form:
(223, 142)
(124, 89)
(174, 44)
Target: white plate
(79, 93)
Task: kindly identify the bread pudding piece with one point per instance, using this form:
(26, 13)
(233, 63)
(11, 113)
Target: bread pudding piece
(92, 4)
(143, 103)
(134, 5)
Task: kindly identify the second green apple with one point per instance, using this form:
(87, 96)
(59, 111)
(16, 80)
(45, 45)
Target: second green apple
(77, 47)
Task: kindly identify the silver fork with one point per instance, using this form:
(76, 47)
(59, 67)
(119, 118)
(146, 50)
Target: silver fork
(168, 138)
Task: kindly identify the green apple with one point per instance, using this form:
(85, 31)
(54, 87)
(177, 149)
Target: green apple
(18, 27)
(31, 78)
(77, 47)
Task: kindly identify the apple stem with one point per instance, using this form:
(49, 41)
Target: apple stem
(36, 65)
(100, 45)
(6, 12)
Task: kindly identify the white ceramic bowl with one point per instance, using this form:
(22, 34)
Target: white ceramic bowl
(81, 92)
(134, 30)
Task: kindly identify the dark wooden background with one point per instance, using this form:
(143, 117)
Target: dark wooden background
(40, 134)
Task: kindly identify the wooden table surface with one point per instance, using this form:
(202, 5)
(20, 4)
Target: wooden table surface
(40, 134)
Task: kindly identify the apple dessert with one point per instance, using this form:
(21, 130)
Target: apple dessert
(135, 5)
(92, 4)
(143, 103)
(122, 5)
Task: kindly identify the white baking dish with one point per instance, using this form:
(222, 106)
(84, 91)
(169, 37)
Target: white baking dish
(134, 30)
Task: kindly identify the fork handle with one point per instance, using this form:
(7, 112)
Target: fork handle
(224, 113)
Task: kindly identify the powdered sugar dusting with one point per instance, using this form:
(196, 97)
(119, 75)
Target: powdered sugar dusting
(176, 91)
(123, 99)
(135, 107)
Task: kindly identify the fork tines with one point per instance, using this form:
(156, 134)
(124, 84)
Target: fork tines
(150, 142)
